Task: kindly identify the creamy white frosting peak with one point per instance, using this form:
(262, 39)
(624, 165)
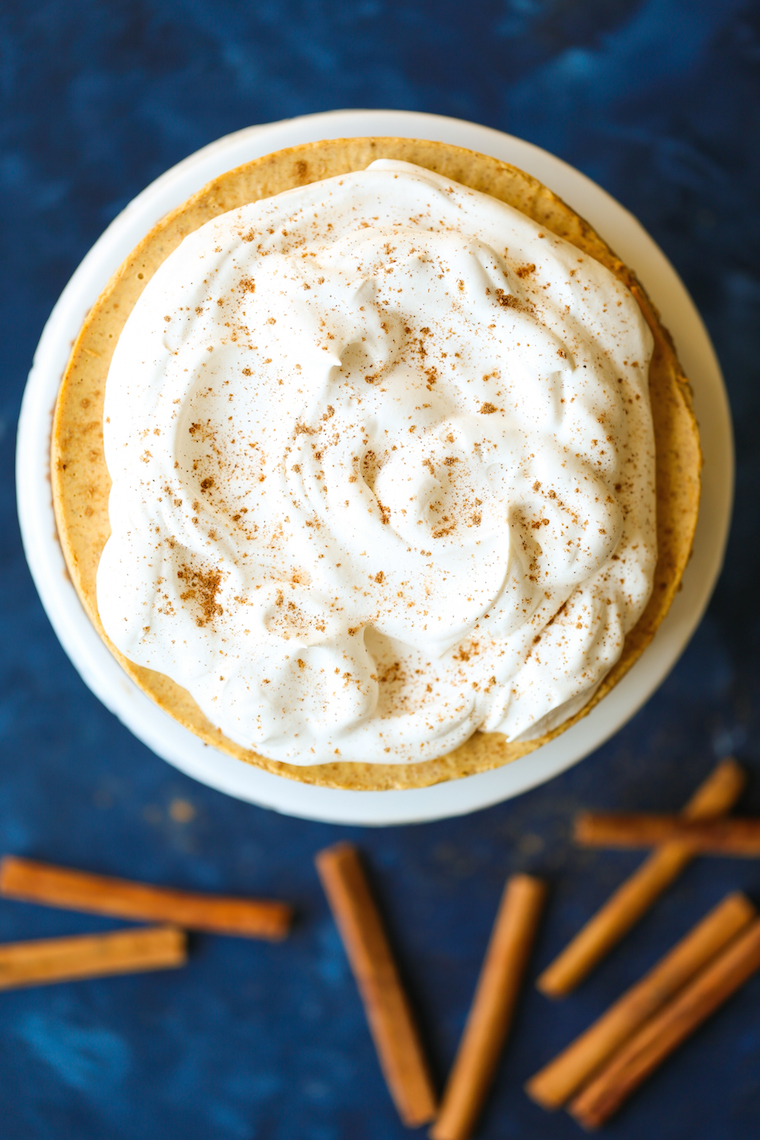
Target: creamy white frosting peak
(383, 471)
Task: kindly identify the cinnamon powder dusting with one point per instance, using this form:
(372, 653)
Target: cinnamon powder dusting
(202, 588)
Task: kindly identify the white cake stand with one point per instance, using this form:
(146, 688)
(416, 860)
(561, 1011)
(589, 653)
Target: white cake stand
(99, 669)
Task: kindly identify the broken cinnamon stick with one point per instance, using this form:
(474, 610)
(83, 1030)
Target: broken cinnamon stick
(492, 1007)
(666, 1030)
(560, 1079)
(636, 895)
(388, 1012)
(731, 836)
(77, 890)
(90, 956)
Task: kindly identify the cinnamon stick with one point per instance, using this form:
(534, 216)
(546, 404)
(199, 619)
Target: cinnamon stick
(388, 1012)
(77, 890)
(492, 1008)
(731, 836)
(560, 1079)
(637, 894)
(660, 1036)
(90, 956)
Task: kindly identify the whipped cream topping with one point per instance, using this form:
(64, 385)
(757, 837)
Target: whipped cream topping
(383, 471)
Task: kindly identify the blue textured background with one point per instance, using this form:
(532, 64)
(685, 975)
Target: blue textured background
(659, 102)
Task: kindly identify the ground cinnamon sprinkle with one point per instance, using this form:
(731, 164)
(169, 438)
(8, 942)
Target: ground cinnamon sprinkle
(202, 587)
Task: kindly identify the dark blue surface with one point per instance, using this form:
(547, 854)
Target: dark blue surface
(659, 101)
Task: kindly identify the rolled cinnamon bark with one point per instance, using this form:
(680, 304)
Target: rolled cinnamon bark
(660, 1036)
(492, 1007)
(390, 1018)
(48, 960)
(636, 895)
(730, 836)
(560, 1079)
(98, 894)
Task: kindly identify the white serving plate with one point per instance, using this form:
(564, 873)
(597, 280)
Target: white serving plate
(156, 729)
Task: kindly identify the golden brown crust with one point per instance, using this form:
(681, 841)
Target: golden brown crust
(81, 483)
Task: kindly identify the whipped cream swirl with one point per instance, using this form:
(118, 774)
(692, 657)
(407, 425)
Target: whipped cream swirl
(383, 471)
